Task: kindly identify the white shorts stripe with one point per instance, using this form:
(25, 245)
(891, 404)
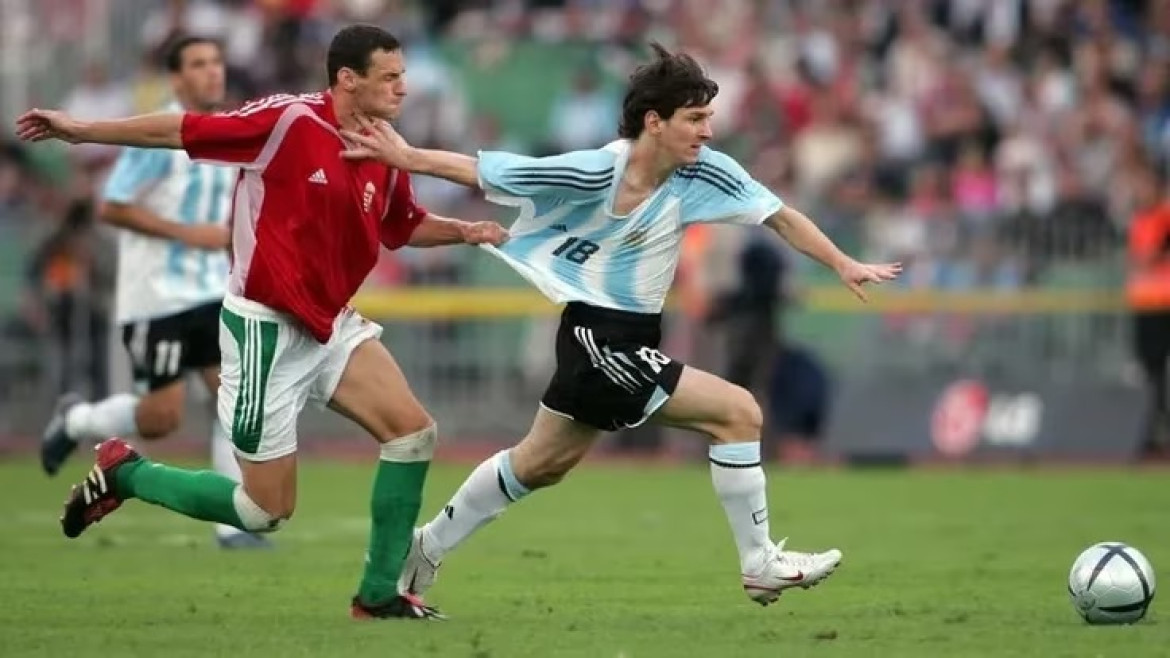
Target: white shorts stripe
(606, 358)
(585, 338)
(625, 359)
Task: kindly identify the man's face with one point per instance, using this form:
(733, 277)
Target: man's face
(380, 92)
(687, 130)
(201, 76)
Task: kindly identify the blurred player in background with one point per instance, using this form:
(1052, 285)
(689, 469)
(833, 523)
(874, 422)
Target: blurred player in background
(601, 230)
(306, 229)
(1148, 294)
(172, 273)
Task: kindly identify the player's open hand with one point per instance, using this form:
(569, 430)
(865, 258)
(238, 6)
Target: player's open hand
(484, 233)
(39, 125)
(855, 274)
(377, 141)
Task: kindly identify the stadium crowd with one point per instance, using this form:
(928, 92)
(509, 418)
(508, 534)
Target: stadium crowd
(985, 144)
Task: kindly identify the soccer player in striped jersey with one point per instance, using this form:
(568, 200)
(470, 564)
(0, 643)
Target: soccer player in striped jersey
(601, 230)
(172, 273)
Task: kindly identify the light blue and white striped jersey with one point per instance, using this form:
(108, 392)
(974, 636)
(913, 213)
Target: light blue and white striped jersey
(159, 277)
(568, 242)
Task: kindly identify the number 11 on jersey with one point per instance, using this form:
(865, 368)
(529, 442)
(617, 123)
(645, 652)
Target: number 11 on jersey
(576, 250)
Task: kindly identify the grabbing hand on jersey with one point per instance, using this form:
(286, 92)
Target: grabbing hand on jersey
(853, 274)
(39, 125)
(210, 237)
(484, 233)
(377, 141)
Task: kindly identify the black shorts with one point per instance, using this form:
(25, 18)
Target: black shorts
(610, 373)
(163, 349)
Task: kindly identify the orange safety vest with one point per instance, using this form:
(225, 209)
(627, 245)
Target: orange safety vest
(1148, 286)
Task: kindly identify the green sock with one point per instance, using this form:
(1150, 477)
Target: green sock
(202, 495)
(394, 507)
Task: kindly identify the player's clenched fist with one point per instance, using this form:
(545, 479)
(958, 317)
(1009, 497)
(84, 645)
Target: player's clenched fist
(484, 233)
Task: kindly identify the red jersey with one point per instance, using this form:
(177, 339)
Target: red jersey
(306, 223)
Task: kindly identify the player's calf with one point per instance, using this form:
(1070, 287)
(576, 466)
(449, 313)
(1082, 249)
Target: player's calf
(159, 414)
(537, 463)
(120, 473)
(731, 418)
(552, 447)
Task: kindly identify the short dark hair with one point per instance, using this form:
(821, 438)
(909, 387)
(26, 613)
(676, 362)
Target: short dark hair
(669, 83)
(352, 46)
(173, 53)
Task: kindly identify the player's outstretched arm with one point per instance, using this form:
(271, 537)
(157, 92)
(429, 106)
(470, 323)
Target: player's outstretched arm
(804, 235)
(379, 141)
(436, 231)
(207, 236)
(158, 130)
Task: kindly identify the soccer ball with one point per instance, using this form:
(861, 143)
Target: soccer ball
(1111, 583)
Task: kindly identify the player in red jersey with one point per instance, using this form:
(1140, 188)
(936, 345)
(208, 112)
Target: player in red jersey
(306, 228)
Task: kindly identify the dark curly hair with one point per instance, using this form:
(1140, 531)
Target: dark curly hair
(669, 83)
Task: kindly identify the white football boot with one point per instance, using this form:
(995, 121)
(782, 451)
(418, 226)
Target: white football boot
(419, 571)
(786, 569)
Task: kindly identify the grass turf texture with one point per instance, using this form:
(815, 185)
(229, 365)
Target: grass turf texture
(617, 561)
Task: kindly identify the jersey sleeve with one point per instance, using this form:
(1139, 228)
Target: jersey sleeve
(716, 189)
(230, 138)
(569, 176)
(403, 213)
(135, 171)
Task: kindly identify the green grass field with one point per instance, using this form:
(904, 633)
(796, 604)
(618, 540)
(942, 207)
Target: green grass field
(618, 561)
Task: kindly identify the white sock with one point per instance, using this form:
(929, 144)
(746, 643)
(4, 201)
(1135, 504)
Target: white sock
(98, 421)
(252, 516)
(483, 496)
(741, 486)
(223, 460)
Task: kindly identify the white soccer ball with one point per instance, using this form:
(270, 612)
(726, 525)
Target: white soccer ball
(1111, 583)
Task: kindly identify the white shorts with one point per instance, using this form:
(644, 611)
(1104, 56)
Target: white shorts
(271, 367)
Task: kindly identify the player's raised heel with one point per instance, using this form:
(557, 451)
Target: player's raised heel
(787, 569)
(418, 571)
(403, 606)
(56, 445)
(96, 496)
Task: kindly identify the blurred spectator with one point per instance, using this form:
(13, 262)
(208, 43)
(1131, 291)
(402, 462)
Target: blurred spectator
(585, 115)
(1148, 293)
(750, 313)
(70, 276)
(826, 147)
(798, 398)
(974, 187)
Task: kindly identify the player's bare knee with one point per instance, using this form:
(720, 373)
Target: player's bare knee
(742, 419)
(540, 471)
(394, 424)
